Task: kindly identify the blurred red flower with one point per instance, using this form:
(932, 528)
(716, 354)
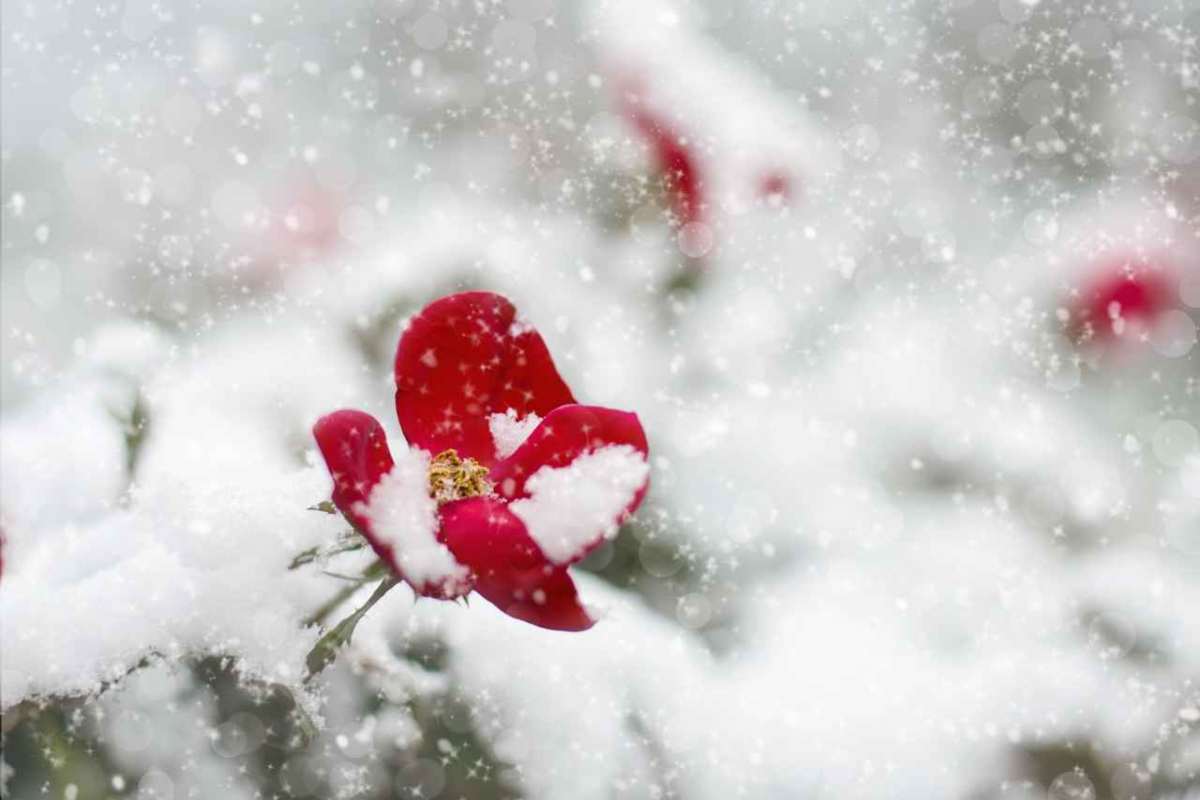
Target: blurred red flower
(1123, 294)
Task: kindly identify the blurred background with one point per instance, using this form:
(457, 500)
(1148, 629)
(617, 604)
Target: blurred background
(905, 294)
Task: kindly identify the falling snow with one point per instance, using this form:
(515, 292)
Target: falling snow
(904, 294)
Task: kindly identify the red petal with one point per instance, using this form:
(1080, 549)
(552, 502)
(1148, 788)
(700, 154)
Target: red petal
(565, 434)
(356, 451)
(1135, 290)
(462, 359)
(673, 157)
(775, 184)
(1139, 296)
(508, 568)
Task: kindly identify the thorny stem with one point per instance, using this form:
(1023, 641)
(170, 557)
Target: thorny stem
(327, 646)
(310, 555)
(357, 579)
(369, 574)
(327, 608)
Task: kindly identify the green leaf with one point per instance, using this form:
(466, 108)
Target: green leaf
(304, 557)
(327, 647)
(347, 542)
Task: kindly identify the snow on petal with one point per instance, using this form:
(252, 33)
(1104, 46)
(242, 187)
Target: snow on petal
(509, 430)
(565, 434)
(403, 519)
(571, 508)
(508, 567)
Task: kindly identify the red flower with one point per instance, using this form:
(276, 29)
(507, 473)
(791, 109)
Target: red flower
(673, 157)
(506, 480)
(1123, 293)
(774, 185)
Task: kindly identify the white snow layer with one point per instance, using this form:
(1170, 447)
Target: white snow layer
(510, 431)
(571, 508)
(404, 517)
(192, 559)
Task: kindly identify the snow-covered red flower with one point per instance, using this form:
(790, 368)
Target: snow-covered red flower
(505, 480)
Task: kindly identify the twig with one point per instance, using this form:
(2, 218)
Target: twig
(372, 572)
(325, 650)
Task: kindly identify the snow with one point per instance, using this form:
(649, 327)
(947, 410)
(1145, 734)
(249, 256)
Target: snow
(86, 479)
(187, 557)
(896, 509)
(158, 584)
(510, 431)
(404, 518)
(570, 509)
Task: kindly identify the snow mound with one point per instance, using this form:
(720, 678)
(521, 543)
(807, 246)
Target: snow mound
(510, 431)
(570, 508)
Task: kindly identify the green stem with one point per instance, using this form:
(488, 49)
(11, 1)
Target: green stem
(325, 650)
(329, 606)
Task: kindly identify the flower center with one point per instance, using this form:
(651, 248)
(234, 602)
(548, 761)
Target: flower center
(453, 478)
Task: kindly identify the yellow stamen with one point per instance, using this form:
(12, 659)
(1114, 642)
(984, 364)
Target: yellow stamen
(453, 478)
